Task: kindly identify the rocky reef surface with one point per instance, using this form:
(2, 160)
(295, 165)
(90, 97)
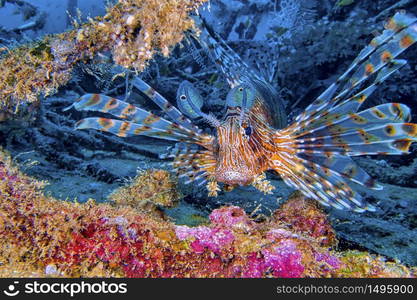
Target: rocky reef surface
(88, 164)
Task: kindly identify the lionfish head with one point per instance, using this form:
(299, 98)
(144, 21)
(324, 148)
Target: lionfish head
(235, 138)
(236, 157)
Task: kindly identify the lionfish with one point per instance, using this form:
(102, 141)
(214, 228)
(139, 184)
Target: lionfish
(313, 154)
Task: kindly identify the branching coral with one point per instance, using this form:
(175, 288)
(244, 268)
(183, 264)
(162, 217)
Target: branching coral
(41, 236)
(132, 30)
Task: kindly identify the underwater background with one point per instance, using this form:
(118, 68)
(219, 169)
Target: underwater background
(305, 45)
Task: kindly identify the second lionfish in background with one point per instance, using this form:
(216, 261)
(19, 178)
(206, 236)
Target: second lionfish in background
(313, 154)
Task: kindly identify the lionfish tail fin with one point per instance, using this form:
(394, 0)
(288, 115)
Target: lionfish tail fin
(315, 151)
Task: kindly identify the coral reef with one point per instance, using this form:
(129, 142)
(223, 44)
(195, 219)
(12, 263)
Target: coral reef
(360, 264)
(41, 236)
(132, 30)
(83, 165)
(148, 191)
(29, 71)
(312, 222)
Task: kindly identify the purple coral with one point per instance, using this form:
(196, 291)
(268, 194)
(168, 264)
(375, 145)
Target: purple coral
(219, 236)
(331, 261)
(213, 239)
(284, 260)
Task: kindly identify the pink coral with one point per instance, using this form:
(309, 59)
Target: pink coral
(284, 260)
(280, 233)
(305, 217)
(255, 267)
(230, 216)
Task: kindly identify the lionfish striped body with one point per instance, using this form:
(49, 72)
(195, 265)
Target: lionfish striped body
(313, 154)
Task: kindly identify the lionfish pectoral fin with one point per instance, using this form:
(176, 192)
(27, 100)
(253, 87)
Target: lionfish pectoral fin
(117, 108)
(321, 184)
(377, 58)
(315, 151)
(134, 120)
(173, 113)
(127, 129)
(317, 160)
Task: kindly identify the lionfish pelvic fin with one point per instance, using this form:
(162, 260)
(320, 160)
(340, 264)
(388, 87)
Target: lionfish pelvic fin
(195, 164)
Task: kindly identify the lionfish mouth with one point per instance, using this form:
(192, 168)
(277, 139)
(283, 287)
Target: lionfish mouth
(234, 178)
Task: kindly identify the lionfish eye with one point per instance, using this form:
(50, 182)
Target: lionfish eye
(183, 97)
(240, 89)
(248, 131)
